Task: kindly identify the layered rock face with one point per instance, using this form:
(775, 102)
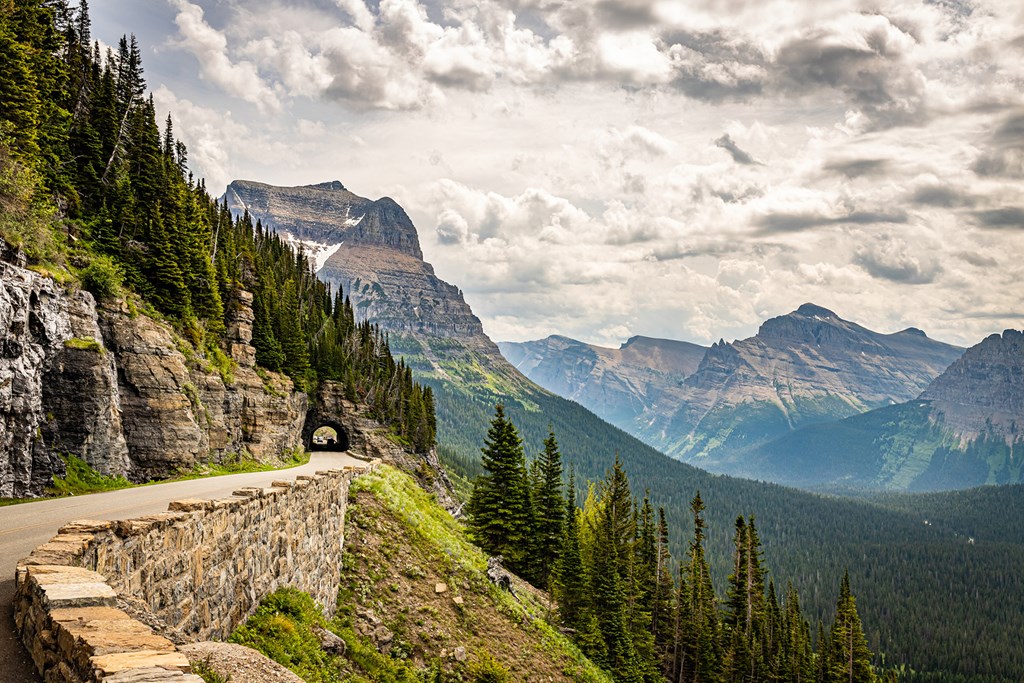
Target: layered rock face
(56, 384)
(982, 393)
(618, 385)
(370, 251)
(178, 411)
(122, 392)
(324, 215)
(805, 367)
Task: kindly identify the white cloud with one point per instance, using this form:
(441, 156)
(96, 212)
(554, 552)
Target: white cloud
(209, 47)
(592, 168)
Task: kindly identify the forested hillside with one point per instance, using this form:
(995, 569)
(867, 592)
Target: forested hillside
(95, 189)
(96, 194)
(615, 580)
(920, 587)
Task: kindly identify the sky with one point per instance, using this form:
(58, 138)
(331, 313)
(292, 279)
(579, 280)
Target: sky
(602, 169)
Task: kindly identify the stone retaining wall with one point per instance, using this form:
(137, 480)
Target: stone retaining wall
(201, 568)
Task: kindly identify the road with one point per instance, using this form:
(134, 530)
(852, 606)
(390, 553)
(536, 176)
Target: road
(25, 526)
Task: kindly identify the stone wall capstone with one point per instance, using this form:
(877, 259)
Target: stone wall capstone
(201, 569)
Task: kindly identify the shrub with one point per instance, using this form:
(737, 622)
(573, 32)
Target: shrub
(486, 669)
(102, 278)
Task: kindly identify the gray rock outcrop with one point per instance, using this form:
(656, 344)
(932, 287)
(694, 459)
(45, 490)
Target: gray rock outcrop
(122, 392)
(56, 383)
(982, 393)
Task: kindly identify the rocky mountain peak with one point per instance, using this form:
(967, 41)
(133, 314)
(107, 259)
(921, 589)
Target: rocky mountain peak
(321, 217)
(982, 393)
(330, 185)
(913, 331)
(811, 310)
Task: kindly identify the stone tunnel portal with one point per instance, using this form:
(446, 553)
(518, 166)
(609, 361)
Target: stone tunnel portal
(326, 435)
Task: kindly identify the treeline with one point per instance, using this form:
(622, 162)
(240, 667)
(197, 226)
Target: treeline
(628, 605)
(931, 601)
(92, 188)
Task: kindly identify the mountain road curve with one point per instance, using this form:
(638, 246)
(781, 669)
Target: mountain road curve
(25, 526)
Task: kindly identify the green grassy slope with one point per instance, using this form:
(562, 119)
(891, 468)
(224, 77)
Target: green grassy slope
(398, 627)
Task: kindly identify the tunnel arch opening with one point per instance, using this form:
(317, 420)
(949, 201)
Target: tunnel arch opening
(326, 435)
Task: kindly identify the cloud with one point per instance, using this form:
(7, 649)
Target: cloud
(890, 258)
(1004, 154)
(738, 155)
(777, 223)
(556, 155)
(209, 47)
(855, 168)
(975, 259)
(1006, 217)
(941, 196)
(865, 58)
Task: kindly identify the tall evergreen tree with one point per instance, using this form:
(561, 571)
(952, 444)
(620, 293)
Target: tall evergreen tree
(703, 653)
(291, 334)
(662, 608)
(499, 506)
(848, 659)
(549, 510)
(613, 546)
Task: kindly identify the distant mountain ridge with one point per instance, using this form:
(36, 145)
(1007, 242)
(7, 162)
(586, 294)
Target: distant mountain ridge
(966, 429)
(805, 367)
(618, 385)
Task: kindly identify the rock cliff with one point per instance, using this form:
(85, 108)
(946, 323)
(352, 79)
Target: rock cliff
(620, 385)
(370, 251)
(122, 392)
(964, 430)
(982, 393)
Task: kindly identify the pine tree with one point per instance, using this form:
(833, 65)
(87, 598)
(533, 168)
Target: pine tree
(848, 659)
(549, 510)
(291, 335)
(499, 512)
(642, 586)
(570, 581)
(745, 607)
(662, 611)
(613, 539)
(703, 656)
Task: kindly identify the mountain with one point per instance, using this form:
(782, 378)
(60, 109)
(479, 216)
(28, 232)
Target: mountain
(806, 536)
(802, 368)
(619, 385)
(965, 429)
(809, 366)
(370, 250)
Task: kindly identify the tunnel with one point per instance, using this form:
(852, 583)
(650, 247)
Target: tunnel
(326, 435)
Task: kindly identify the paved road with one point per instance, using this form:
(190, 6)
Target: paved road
(23, 527)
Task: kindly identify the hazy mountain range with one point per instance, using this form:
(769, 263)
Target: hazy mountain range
(812, 399)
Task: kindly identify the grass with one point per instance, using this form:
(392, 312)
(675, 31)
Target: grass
(83, 344)
(239, 464)
(203, 669)
(80, 478)
(399, 545)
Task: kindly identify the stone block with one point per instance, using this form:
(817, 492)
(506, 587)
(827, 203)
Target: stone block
(190, 505)
(105, 665)
(86, 526)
